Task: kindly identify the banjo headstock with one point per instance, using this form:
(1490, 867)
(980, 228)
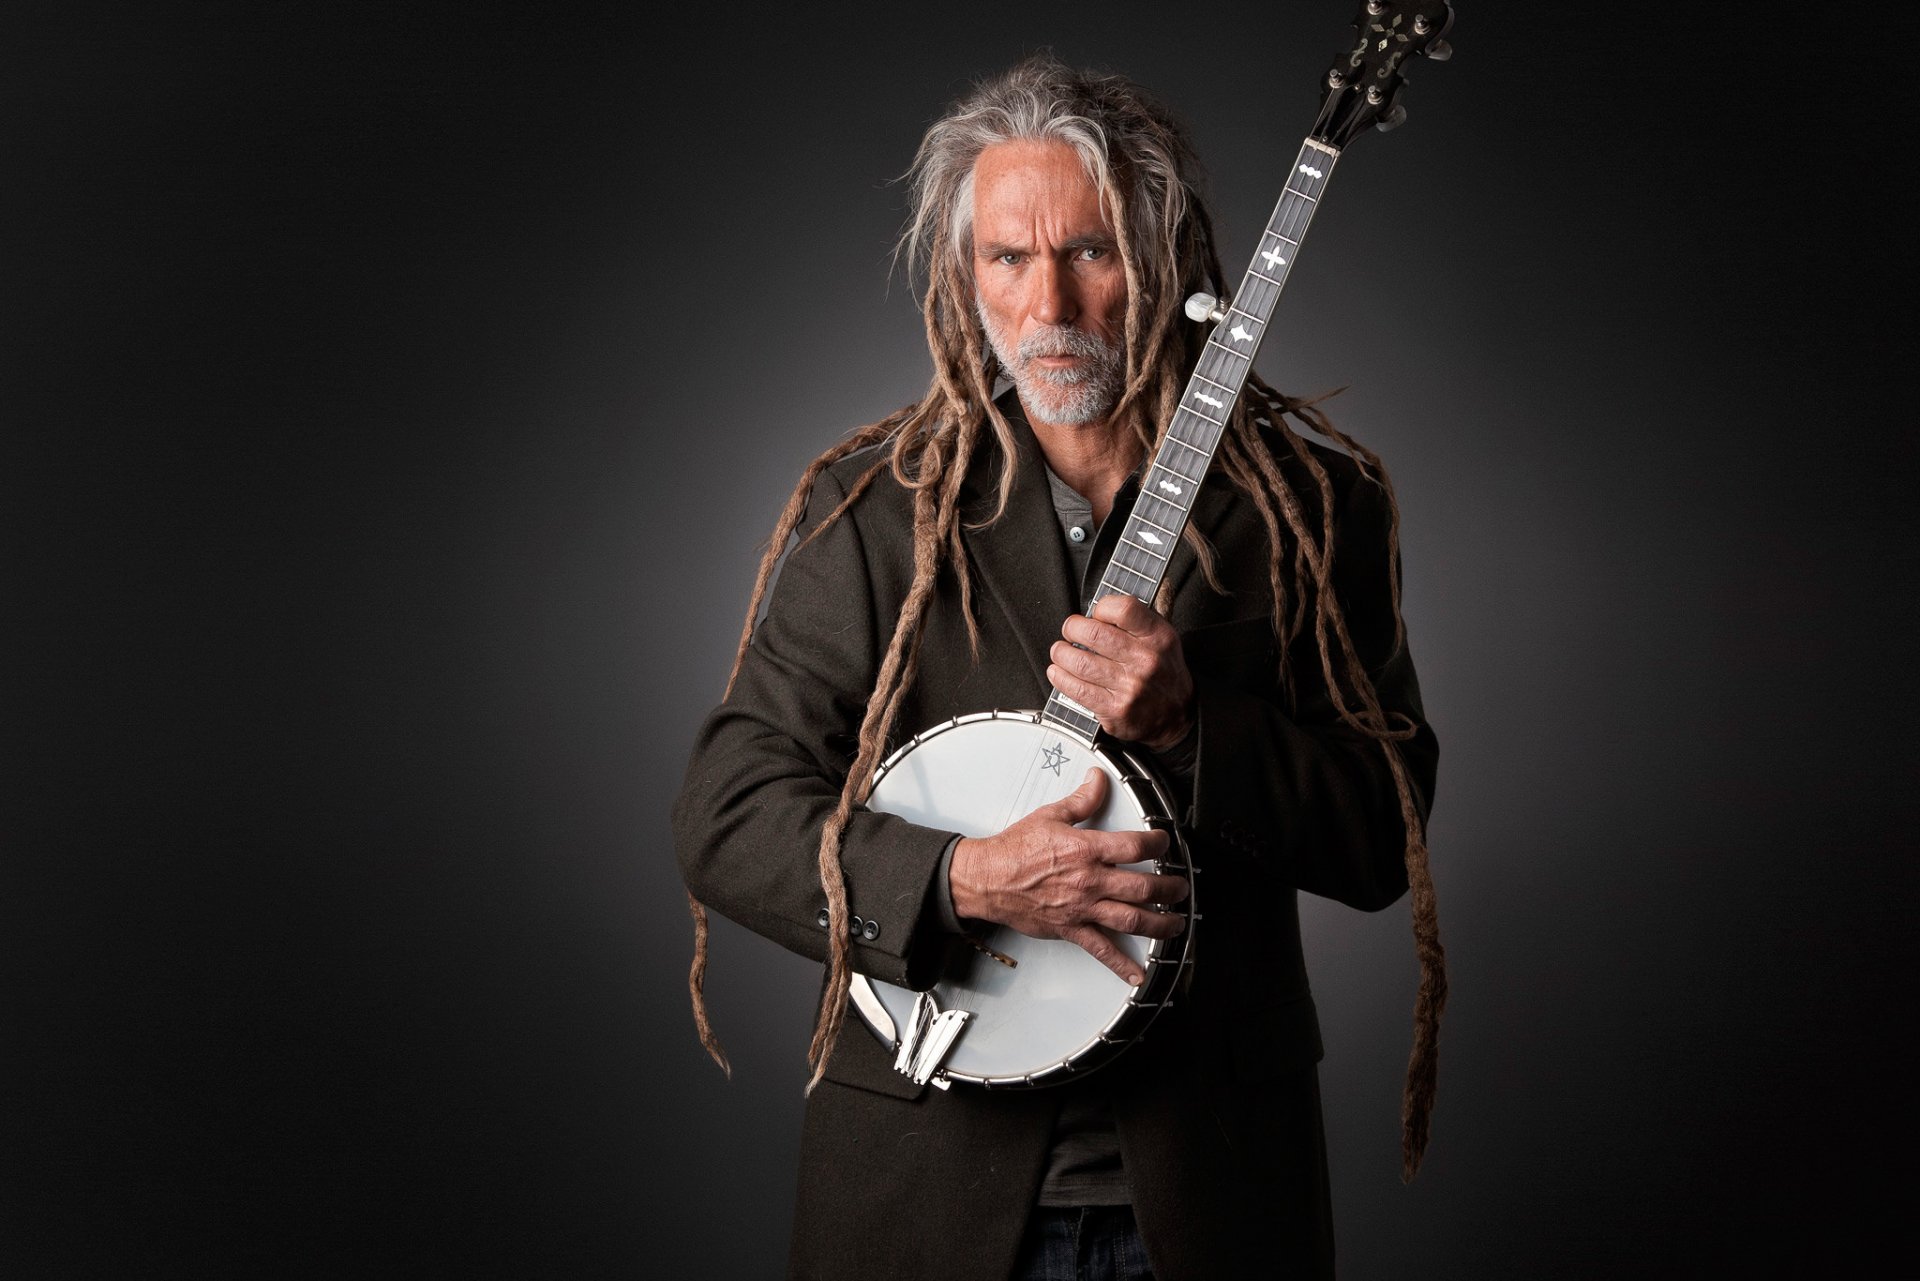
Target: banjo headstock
(1364, 80)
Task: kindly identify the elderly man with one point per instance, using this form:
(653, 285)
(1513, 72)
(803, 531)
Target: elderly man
(1056, 218)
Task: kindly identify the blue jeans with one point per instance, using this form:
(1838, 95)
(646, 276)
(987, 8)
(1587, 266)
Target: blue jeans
(1091, 1243)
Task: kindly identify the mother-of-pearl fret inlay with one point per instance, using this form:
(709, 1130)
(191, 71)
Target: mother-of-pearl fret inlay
(1139, 560)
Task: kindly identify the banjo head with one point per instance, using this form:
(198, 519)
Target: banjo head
(1056, 1011)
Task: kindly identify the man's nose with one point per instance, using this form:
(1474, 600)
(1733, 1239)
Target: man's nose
(1053, 301)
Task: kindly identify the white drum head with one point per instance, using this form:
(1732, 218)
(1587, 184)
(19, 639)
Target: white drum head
(976, 776)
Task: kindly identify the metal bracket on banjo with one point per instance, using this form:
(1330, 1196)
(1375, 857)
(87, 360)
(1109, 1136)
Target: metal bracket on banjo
(929, 1038)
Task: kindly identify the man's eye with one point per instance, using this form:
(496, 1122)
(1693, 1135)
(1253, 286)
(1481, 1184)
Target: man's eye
(1093, 253)
(1010, 259)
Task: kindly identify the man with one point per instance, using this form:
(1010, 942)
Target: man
(1056, 217)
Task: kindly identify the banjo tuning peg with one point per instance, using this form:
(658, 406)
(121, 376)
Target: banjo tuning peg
(1204, 307)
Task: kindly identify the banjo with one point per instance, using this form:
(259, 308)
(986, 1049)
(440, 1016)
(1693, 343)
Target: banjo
(1016, 1011)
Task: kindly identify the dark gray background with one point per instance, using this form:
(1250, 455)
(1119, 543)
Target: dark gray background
(394, 407)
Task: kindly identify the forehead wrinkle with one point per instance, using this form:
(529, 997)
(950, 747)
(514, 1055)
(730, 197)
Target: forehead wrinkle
(1024, 186)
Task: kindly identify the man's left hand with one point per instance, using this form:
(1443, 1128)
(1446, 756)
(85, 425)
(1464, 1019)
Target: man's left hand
(1129, 671)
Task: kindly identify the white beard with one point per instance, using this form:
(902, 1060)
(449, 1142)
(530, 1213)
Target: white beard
(1068, 397)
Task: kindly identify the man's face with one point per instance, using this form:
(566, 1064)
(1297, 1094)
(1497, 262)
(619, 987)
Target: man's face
(1051, 290)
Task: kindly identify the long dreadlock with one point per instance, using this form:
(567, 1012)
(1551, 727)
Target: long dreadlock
(1146, 173)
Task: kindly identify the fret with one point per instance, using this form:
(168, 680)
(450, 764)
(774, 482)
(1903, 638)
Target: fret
(1078, 709)
(1145, 578)
(1168, 485)
(1198, 439)
(1205, 445)
(1062, 708)
(1231, 391)
(1136, 558)
(1062, 711)
(1303, 195)
(1067, 705)
(1167, 522)
(1293, 217)
(1257, 300)
(1171, 470)
(1186, 429)
(1167, 458)
(1221, 372)
(1145, 498)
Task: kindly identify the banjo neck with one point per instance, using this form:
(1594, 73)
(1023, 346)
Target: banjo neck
(1172, 479)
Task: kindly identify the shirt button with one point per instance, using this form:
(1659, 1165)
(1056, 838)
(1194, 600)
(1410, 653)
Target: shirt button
(1077, 534)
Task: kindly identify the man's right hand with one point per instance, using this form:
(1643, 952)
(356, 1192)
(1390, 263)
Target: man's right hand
(1052, 880)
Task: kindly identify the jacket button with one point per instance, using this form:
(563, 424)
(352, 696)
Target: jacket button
(824, 919)
(870, 931)
(853, 926)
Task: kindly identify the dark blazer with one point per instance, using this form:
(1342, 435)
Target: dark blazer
(1218, 1108)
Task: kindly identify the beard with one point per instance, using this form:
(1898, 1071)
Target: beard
(1067, 397)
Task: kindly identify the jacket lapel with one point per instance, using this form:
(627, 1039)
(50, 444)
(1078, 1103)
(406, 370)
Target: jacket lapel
(1019, 561)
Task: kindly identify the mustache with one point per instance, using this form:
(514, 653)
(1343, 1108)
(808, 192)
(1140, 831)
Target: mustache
(1063, 340)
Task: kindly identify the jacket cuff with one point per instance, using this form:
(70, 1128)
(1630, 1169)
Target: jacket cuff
(940, 895)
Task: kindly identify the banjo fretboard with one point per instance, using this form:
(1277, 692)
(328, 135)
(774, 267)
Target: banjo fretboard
(1167, 487)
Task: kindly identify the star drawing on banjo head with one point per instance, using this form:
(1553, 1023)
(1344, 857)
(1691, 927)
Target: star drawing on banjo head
(1056, 757)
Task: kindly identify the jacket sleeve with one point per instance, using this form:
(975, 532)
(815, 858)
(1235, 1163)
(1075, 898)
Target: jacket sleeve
(1305, 796)
(768, 766)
